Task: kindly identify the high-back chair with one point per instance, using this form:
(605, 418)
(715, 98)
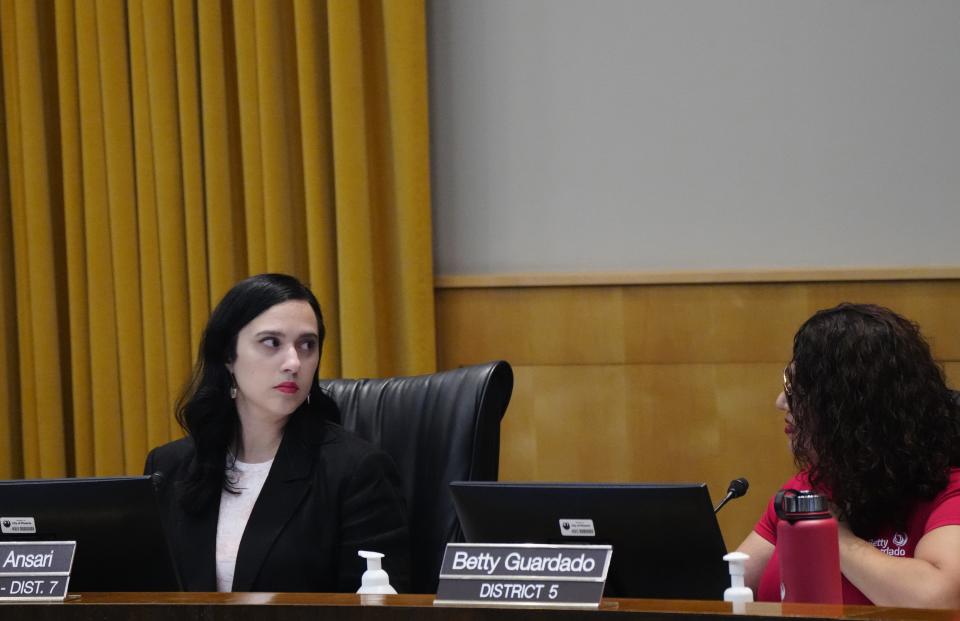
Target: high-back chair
(438, 428)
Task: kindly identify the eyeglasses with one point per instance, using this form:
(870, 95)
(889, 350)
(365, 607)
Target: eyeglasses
(787, 387)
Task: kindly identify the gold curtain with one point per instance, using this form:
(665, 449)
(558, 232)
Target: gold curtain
(154, 152)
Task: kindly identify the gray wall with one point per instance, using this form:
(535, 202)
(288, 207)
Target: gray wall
(594, 135)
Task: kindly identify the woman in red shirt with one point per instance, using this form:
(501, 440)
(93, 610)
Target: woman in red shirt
(873, 426)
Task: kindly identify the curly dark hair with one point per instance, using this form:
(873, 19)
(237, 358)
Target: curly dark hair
(875, 423)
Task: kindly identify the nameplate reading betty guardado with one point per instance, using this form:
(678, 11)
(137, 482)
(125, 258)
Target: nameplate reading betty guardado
(523, 575)
(35, 570)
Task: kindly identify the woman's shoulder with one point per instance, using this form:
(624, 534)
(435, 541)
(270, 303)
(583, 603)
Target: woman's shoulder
(953, 485)
(170, 455)
(342, 450)
(951, 491)
(942, 510)
(336, 437)
(318, 431)
(800, 481)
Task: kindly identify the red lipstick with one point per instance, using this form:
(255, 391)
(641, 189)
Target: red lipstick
(288, 388)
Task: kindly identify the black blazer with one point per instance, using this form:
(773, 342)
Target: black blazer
(328, 494)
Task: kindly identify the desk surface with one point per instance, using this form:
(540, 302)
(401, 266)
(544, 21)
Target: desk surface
(350, 607)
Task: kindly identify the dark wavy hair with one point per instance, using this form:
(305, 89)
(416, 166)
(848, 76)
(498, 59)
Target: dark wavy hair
(205, 410)
(875, 423)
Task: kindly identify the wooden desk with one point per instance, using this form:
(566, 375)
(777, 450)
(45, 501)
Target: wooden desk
(349, 607)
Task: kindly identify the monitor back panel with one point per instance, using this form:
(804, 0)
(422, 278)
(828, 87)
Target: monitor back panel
(665, 537)
(121, 544)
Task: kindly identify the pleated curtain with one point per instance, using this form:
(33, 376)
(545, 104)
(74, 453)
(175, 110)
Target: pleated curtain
(153, 153)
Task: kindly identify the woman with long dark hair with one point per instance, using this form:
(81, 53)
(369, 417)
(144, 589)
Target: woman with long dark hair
(266, 492)
(873, 426)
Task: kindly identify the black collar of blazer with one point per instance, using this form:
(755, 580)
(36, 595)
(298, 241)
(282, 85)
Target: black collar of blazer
(284, 489)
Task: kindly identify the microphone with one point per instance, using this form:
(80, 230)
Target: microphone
(736, 489)
(158, 481)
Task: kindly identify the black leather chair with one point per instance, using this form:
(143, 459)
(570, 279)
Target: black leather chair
(438, 428)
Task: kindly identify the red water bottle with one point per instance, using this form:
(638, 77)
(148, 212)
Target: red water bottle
(808, 548)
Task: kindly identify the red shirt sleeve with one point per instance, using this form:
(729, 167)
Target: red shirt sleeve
(945, 509)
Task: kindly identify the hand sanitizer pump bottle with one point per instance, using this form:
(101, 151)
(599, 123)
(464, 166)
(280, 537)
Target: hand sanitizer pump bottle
(737, 593)
(375, 580)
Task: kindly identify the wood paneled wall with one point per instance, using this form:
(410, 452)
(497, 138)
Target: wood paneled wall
(661, 382)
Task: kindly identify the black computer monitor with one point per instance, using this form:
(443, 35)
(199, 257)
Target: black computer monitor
(665, 537)
(115, 521)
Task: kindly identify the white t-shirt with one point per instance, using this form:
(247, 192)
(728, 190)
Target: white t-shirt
(234, 513)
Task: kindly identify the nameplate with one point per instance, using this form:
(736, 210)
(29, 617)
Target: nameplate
(35, 570)
(523, 575)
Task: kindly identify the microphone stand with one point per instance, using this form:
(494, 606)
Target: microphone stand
(725, 500)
